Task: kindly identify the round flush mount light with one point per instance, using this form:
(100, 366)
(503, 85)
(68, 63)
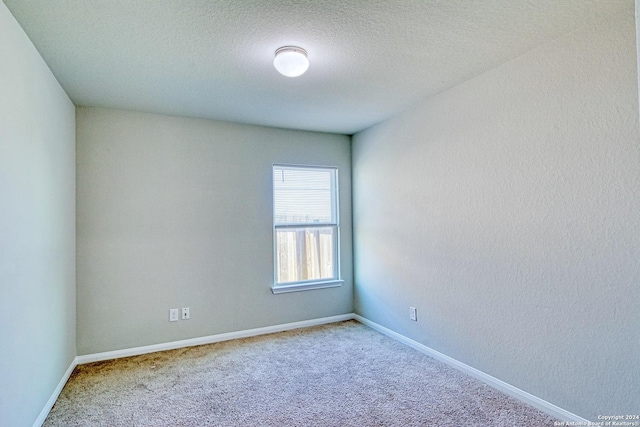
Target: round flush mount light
(291, 61)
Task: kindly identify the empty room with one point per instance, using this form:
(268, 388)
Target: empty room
(323, 213)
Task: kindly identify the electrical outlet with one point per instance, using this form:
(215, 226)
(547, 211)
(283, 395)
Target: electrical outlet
(185, 313)
(413, 314)
(173, 315)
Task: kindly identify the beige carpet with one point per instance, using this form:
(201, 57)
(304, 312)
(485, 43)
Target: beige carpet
(343, 374)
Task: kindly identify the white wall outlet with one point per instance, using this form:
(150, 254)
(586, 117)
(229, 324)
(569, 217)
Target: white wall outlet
(185, 313)
(413, 314)
(173, 315)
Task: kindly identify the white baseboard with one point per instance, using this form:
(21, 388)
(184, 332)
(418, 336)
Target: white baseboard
(504, 387)
(54, 396)
(88, 358)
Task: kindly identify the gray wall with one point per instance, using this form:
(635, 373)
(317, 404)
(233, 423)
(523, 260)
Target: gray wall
(507, 210)
(176, 212)
(37, 228)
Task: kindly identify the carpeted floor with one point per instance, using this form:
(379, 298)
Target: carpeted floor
(343, 374)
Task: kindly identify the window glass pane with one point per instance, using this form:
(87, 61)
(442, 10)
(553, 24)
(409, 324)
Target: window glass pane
(305, 253)
(304, 195)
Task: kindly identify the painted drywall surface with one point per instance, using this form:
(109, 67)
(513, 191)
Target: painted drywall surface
(369, 59)
(37, 228)
(176, 212)
(507, 210)
(637, 5)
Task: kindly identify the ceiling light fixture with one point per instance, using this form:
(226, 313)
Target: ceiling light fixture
(291, 61)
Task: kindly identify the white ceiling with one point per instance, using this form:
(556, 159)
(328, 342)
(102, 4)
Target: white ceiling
(370, 59)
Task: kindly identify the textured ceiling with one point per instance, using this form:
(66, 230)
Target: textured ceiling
(213, 58)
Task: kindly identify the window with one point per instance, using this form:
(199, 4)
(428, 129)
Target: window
(305, 228)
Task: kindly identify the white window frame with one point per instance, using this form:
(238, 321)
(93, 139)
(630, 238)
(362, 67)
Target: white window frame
(279, 288)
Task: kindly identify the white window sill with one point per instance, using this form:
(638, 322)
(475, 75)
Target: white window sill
(305, 286)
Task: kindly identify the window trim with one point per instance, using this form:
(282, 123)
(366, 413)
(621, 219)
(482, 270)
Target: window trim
(306, 285)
